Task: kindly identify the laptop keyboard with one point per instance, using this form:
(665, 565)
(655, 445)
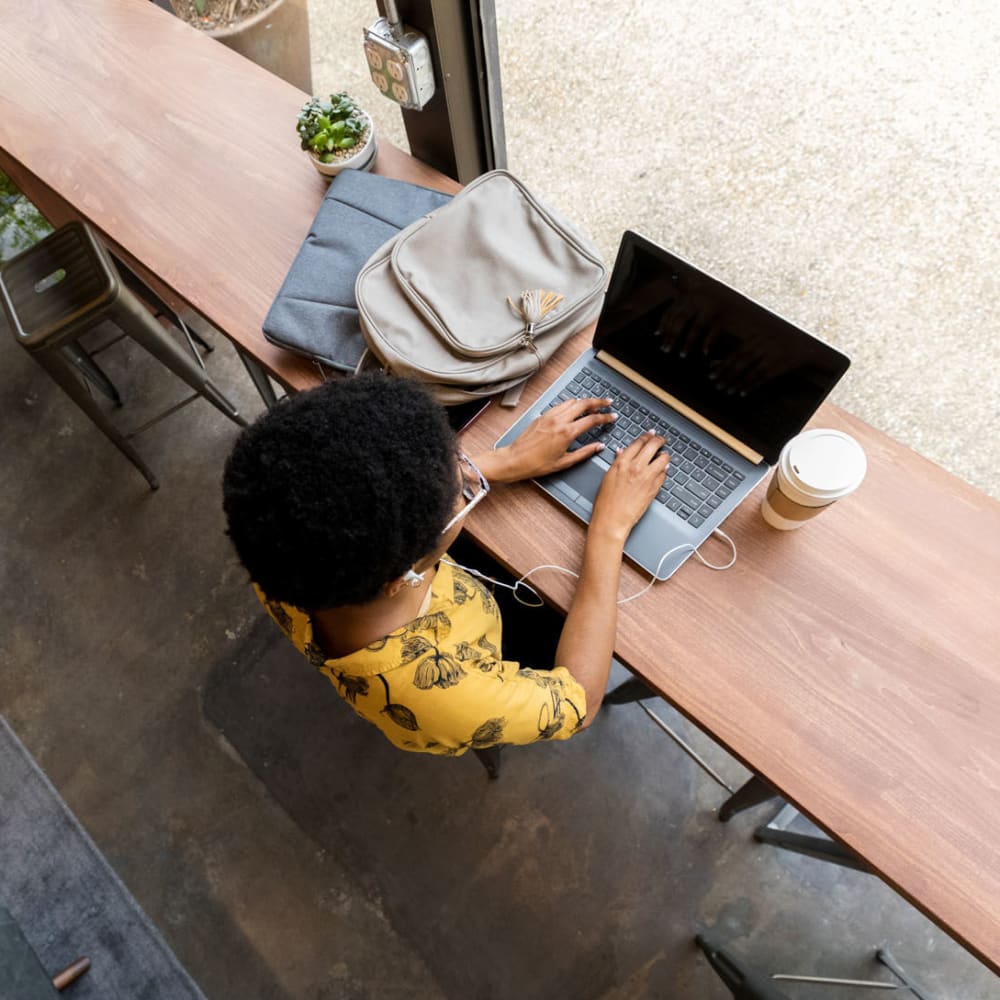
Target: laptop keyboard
(697, 480)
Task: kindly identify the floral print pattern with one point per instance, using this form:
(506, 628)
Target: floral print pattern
(438, 684)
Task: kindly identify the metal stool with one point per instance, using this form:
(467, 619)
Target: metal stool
(748, 984)
(65, 285)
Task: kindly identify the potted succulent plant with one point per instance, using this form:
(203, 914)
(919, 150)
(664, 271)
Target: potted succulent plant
(336, 133)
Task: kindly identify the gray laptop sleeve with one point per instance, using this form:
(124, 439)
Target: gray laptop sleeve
(315, 313)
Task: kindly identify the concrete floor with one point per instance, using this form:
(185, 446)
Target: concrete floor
(281, 847)
(286, 851)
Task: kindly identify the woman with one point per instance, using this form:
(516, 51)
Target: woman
(342, 503)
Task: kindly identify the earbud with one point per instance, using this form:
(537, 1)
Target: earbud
(413, 579)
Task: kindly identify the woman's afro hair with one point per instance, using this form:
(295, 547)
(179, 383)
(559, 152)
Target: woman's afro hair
(337, 491)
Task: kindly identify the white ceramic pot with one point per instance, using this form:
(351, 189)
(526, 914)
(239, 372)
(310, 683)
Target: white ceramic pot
(362, 158)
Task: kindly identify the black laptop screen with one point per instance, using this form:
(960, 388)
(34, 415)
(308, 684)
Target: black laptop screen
(736, 363)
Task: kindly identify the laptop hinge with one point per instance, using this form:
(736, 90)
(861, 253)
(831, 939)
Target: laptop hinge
(661, 394)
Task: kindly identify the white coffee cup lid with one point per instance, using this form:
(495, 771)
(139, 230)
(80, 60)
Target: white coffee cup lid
(825, 464)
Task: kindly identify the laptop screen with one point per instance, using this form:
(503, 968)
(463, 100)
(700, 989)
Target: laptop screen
(731, 360)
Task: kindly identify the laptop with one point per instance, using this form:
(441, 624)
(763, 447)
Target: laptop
(724, 380)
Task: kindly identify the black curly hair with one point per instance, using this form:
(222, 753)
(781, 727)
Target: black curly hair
(337, 491)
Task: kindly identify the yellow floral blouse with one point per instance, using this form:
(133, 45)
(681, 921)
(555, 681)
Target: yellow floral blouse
(438, 684)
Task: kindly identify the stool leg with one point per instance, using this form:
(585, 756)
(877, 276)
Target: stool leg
(196, 337)
(132, 317)
(91, 370)
(144, 293)
(59, 369)
(741, 981)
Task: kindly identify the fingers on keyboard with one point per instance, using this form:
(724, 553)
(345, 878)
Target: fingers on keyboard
(697, 481)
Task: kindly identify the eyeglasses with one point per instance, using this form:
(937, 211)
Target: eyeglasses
(474, 488)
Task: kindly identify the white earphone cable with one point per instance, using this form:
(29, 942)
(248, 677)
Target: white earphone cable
(538, 602)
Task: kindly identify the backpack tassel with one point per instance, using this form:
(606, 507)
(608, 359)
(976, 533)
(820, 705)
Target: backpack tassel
(536, 304)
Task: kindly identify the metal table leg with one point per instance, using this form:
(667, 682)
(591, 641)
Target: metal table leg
(755, 791)
(814, 846)
(628, 691)
(259, 378)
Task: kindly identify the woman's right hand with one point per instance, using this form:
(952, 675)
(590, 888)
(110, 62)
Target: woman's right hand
(629, 486)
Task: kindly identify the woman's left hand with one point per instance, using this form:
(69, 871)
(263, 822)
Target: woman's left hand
(541, 449)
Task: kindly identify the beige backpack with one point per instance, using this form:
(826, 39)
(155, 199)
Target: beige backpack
(475, 297)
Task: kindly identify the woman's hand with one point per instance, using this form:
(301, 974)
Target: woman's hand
(541, 449)
(629, 487)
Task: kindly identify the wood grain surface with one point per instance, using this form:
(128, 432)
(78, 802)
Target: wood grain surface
(180, 151)
(853, 662)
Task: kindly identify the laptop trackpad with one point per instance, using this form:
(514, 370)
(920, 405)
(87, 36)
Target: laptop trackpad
(584, 479)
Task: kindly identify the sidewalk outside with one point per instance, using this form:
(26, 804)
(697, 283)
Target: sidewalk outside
(837, 162)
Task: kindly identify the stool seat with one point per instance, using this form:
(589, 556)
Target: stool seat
(65, 285)
(59, 287)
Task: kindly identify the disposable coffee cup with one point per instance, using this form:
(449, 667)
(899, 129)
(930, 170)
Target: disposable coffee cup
(815, 470)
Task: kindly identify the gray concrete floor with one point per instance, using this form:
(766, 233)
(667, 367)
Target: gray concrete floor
(283, 848)
(821, 160)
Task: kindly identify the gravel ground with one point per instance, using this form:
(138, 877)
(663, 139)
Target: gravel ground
(838, 162)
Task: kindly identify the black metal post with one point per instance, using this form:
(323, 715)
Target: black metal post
(755, 791)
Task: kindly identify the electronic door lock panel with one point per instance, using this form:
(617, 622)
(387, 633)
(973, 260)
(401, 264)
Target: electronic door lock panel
(399, 60)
